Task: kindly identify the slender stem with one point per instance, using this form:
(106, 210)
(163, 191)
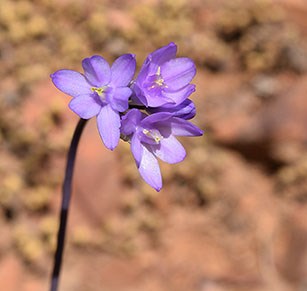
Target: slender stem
(65, 204)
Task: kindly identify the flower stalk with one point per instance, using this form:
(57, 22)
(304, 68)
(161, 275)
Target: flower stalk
(71, 157)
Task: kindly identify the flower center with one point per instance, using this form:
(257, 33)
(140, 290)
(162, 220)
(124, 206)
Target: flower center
(156, 81)
(159, 80)
(101, 91)
(153, 134)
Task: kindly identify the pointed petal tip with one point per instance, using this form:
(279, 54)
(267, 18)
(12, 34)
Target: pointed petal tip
(110, 147)
(131, 55)
(158, 189)
(55, 74)
(201, 132)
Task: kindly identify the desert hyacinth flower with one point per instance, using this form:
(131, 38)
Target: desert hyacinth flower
(154, 136)
(102, 91)
(164, 78)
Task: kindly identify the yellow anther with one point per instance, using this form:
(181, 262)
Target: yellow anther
(153, 134)
(157, 139)
(159, 82)
(99, 91)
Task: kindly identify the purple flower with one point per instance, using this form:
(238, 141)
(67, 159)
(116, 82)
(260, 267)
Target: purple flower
(164, 78)
(185, 110)
(102, 91)
(153, 137)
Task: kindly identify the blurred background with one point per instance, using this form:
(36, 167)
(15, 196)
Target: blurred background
(232, 216)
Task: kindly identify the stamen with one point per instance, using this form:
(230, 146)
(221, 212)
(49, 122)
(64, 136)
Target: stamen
(155, 81)
(153, 134)
(146, 131)
(101, 91)
(159, 71)
(159, 81)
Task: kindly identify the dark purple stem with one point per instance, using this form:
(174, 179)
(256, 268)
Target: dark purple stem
(65, 204)
(66, 199)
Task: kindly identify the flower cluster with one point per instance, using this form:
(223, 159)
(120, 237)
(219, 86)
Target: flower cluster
(148, 111)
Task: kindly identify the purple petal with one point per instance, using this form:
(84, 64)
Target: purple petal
(179, 96)
(137, 149)
(97, 71)
(130, 121)
(170, 150)
(71, 83)
(153, 100)
(150, 170)
(183, 127)
(108, 122)
(185, 110)
(138, 96)
(177, 73)
(163, 54)
(156, 117)
(85, 106)
(144, 72)
(156, 59)
(123, 70)
(119, 102)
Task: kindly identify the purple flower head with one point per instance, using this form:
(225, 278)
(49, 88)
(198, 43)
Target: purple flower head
(164, 78)
(102, 91)
(185, 110)
(153, 137)
(161, 90)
